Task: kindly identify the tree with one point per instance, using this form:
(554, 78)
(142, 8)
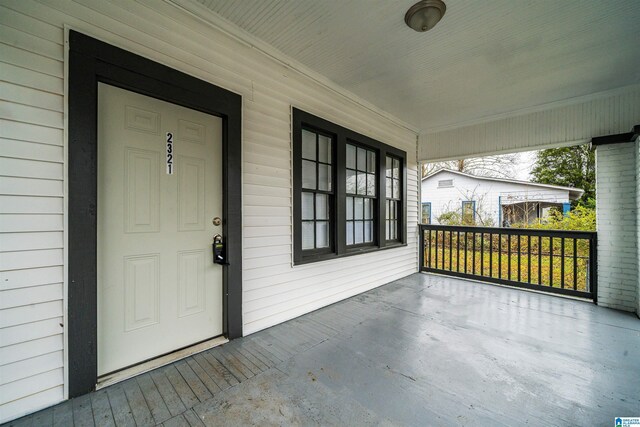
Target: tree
(569, 167)
(499, 166)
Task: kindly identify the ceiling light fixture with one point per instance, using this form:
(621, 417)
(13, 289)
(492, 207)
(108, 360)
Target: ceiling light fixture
(425, 14)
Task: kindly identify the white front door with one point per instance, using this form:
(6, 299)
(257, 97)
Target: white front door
(158, 289)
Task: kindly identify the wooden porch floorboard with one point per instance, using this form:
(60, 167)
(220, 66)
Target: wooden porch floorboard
(206, 379)
(122, 414)
(389, 356)
(154, 402)
(137, 403)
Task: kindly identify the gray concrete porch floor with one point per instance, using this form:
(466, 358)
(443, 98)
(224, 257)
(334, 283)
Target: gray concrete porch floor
(423, 350)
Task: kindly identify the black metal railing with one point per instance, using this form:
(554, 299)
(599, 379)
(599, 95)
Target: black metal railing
(558, 261)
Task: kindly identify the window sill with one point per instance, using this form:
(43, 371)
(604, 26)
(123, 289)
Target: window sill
(350, 252)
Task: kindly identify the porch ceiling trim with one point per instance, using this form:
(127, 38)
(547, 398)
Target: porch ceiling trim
(557, 126)
(618, 138)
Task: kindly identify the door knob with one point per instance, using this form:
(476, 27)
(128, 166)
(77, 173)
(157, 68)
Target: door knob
(217, 221)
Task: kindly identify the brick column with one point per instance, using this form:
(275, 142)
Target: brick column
(638, 223)
(617, 218)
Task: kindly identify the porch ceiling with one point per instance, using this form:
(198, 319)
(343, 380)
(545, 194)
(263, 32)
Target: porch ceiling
(483, 59)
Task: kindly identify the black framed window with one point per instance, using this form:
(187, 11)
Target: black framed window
(361, 194)
(394, 197)
(317, 190)
(340, 183)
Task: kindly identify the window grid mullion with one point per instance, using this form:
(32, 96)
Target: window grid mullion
(353, 220)
(315, 195)
(315, 215)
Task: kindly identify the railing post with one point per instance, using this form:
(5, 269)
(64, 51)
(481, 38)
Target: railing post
(428, 263)
(593, 269)
(422, 248)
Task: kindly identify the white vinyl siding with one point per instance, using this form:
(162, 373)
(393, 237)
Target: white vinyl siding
(31, 213)
(554, 126)
(32, 182)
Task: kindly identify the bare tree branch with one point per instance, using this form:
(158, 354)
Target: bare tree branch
(499, 166)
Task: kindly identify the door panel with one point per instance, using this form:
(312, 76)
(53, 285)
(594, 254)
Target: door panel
(141, 291)
(158, 289)
(190, 193)
(141, 191)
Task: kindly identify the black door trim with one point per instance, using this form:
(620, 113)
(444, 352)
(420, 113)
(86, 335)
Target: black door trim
(92, 61)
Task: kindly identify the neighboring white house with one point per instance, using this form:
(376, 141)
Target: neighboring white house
(491, 201)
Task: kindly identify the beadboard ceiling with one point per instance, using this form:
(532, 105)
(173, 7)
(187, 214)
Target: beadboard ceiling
(484, 59)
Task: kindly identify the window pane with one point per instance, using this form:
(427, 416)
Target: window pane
(389, 194)
(396, 188)
(351, 156)
(308, 175)
(368, 204)
(371, 184)
(308, 145)
(351, 181)
(392, 230)
(307, 234)
(396, 168)
(307, 205)
(426, 213)
(362, 159)
(371, 161)
(388, 171)
(324, 149)
(467, 208)
(322, 206)
(368, 231)
(349, 207)
(359, 238)
(359, 210)
(386, 229)
(362, 183)
(322, 234)
(324, 177)
(467, 213)
(387, 208)
(349, 232)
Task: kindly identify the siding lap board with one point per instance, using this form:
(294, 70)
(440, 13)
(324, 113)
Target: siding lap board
(32, 184)
(31, 190)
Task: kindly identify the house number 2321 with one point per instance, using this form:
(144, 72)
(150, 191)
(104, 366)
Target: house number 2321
(169, 153)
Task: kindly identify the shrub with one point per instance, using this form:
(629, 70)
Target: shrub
(450, 218)
(581, 218)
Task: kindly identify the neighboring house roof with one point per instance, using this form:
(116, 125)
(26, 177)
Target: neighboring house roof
(574, 193)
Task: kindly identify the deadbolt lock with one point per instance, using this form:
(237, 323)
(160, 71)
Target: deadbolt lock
(217, 221)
